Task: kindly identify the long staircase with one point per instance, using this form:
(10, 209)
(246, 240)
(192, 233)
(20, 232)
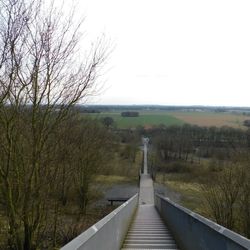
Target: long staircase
(148, 231)
(148, 212)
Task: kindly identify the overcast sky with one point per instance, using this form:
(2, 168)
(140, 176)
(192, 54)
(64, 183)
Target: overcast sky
(174, 52)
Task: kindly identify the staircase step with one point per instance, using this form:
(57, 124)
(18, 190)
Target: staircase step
(147, 234)
(148, 231)
(149, 228)
(150, 246)
(151, 241)
(149, 238)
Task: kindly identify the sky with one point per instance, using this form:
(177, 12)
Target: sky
(173, 52)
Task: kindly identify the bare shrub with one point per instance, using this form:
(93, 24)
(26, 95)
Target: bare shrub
(221, 194)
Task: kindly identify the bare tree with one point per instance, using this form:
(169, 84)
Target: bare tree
(41, 77)
(245, 204)
(92, 149)
(222, 193)
(244, 199)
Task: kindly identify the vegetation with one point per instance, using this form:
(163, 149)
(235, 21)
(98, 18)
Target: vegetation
(209, 167)
(46, 153)
(151, 118)
(247, 123)
(129, 114)
(107, 121)
(76, 168)
(218, 119)
(146, 119)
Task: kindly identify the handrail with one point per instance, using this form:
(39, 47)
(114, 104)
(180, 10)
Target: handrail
(107, 233)
(195, 232)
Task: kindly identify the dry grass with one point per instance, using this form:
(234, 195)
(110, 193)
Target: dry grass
(212, 119)
(119, 166)
(111, 179)
(191, 193)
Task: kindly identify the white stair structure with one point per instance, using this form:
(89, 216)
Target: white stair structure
(148, 231)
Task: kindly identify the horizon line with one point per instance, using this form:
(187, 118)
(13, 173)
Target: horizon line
(167, 105)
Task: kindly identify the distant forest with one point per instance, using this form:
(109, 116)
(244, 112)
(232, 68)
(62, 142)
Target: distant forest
(118, 108)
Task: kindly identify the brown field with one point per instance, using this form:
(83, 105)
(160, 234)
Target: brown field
(212, 119)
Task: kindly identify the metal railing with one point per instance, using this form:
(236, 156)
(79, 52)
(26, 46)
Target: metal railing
(194, 232)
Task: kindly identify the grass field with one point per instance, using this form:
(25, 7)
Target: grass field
(146, 119)
(168, 118)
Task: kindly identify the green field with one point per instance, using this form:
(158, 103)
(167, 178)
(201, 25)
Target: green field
(148, 119)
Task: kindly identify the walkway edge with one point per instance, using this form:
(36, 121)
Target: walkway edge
(107, 233)
(193, 231)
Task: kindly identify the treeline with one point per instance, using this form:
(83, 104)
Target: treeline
(129, 114)
(187, 141)
(117, 108)
(43, 174)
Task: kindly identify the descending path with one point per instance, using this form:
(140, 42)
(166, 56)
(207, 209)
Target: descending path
(148, 230)
(146, 194)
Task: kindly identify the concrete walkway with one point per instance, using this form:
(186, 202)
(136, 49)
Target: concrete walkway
(148, 231)
(145, 160)
(146, 194)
